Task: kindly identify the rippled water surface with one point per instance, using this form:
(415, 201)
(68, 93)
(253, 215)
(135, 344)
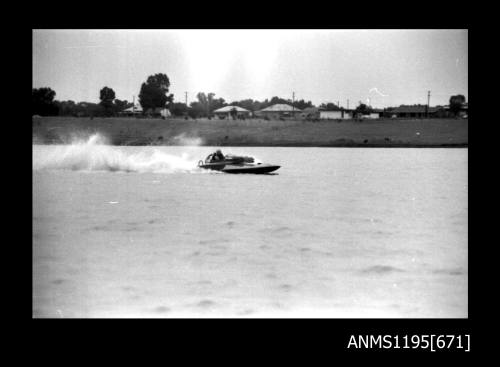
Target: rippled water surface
(336, 232)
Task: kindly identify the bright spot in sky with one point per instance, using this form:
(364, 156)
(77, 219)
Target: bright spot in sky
(213, 56)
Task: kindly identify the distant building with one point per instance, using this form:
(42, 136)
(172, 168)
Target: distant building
(370, 116)
(225, 112)
(418, 111)
(152, 112)
(330, 115)
(342, 114)
(132, 111)
(375, 114)
(158, 112)
(464, 110)
(280, 110)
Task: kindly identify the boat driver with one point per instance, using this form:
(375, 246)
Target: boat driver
(218, 156)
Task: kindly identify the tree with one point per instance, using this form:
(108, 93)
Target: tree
(153, 93)
(84, 109)
(262, 105)
(121, 105)
(248, 104)
(278, 100)
(197, 109)
(206, 104)
(363, 109)
(42, 102)
(329, 106)
(107, 96)
(210, 99)
(178, 109)
(214, 103)
(456, 103)
(66, 108)
(234, 113)
(301, 104)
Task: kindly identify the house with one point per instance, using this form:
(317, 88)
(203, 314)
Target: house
(225, 112)
(280, 110)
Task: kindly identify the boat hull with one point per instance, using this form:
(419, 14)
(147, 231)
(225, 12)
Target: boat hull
(230, 168)
(261, 168)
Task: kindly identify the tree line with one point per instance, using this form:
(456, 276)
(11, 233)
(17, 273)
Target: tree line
(154, 95)
(44, 104)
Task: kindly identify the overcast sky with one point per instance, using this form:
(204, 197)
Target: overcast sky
(381, 67)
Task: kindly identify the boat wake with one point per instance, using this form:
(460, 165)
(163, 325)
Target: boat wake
(94, 154)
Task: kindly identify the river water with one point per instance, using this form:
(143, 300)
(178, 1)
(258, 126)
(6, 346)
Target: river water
(336, 232)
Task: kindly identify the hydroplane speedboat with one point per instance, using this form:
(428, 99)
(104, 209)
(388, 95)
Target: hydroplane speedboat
(235, 164)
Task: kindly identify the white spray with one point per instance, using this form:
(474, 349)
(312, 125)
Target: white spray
(94, 154)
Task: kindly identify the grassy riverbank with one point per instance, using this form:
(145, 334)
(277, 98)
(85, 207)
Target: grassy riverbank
(255, 132)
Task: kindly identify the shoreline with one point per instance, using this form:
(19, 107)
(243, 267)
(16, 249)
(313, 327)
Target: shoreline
(291, 145)
(382, 133)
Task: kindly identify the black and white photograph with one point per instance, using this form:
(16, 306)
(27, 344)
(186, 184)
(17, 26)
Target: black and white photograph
(250, 173)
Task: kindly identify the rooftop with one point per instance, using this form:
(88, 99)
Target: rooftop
(414, 109)
(137, 108)
(280, 107)
(229, 108)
